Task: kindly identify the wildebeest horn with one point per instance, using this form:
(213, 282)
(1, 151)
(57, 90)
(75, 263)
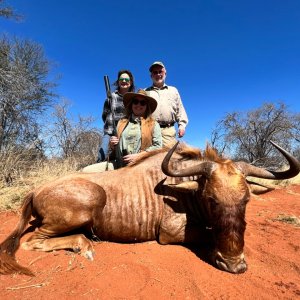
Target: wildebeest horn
(204, 168)
(186, 186)
(293, 170)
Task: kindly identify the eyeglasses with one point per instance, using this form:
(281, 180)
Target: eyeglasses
(122, 79)
(157, 72)
(140, 102)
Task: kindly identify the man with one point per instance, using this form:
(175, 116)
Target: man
(170, 109)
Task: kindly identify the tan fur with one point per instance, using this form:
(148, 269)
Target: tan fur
(229, 177)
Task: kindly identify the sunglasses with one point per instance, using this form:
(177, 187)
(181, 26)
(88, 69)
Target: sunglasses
(140, 102)
(122, 79)
(157, 72)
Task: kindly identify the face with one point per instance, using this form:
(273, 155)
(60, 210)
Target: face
(139, 106)
(158, 75)
(226, 206)
(124, 82)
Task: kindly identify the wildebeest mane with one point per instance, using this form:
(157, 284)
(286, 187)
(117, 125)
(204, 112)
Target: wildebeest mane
(186, 152)
(211, 154)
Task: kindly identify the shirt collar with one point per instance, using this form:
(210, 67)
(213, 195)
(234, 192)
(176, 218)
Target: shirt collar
(162, 88)
(135, 119)
(117, 92)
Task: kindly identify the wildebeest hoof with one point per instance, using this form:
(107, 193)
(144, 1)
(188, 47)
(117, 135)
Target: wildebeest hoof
(33, 245)
(76, 249)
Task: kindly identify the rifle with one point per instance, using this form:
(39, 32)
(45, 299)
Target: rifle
(118, 154)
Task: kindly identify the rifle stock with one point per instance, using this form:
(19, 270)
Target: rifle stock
(118, 154)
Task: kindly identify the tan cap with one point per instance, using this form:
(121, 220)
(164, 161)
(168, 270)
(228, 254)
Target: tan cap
(127, 98)
(156, 63)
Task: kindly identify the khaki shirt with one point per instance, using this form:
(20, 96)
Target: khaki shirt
(169, 106)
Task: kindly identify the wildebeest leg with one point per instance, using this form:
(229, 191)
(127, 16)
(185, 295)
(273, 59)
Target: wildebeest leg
(49, 237)
(173, 224)
(68, 206)
(78, 243)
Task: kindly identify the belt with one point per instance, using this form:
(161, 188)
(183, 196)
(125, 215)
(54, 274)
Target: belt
(165, 125)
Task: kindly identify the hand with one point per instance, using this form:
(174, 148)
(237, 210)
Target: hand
(181, 132)
(113, 141)
(130, 158)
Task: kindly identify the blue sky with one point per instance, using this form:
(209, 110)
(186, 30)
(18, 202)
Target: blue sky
(223, 56)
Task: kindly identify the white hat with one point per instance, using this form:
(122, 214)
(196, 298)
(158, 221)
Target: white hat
(156, 63)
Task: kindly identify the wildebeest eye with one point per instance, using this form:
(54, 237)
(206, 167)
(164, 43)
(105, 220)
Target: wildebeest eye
(212, 203)
(212, 200)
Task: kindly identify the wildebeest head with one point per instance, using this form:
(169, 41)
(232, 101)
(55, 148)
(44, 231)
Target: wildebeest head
(223, 192)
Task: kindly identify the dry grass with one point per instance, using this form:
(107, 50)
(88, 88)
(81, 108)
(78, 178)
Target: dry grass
(41, 172)
(293, 220)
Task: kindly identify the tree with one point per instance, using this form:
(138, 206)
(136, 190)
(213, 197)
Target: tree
(296, 127)
(8, 12)
(25, 92)
(71, 138)
(247, 135)
(296, 135)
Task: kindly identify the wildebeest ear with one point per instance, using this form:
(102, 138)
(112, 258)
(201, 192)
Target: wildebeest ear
(186, 186)
(258, 188)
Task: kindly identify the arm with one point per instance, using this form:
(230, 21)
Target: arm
(105, 111)
(181, 116)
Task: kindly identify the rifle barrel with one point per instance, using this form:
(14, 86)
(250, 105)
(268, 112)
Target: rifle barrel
(118, 154)
(107, 86)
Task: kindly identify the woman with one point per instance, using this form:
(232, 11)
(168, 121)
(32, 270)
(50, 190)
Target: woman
(137, 132)
(123, 84)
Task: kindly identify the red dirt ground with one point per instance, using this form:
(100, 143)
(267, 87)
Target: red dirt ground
(153, 271)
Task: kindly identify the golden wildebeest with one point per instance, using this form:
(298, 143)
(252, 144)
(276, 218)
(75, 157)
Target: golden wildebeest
(169, 196)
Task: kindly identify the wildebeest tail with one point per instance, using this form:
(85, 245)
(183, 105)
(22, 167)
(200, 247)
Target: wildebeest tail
(10, 245)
